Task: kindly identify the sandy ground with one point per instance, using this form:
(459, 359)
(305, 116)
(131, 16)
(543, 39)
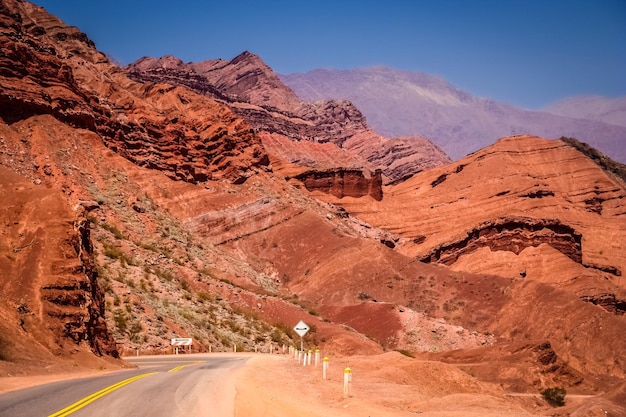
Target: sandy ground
(277, 386)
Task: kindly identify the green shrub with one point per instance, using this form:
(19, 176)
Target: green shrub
(555, 396)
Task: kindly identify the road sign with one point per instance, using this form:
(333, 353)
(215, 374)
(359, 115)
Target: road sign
(182, 341)
(301, 328)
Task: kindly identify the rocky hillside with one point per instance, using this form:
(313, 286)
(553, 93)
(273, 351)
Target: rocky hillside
(551, 222)
(135, 210)
(404, 103)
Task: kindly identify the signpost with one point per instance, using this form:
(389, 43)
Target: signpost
(181, 341)
(301, 329)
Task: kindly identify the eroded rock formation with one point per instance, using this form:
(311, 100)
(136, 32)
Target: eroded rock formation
(343, 183)
(512, 234)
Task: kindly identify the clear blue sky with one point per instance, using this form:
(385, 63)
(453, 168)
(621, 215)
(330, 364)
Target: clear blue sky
(527, 53)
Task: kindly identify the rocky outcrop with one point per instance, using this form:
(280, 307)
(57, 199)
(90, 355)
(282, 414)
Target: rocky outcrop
(607, 301)
(49, 68)
(75, 301)
(343, 183)
(50, 279)
(512, 234)
(399, 158)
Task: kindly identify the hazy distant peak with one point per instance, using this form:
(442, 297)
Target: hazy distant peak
(401, 103)
(591, 107)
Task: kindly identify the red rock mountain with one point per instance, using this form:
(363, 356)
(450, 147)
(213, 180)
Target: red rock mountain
(256, 93)
(176, 210)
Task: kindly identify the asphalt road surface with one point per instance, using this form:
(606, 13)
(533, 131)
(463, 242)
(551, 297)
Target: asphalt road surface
(162, 386)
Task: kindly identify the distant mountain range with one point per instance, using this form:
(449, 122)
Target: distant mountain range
(399, 103)
(601, 109)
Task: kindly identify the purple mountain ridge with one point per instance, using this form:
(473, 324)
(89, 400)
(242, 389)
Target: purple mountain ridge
(598, 108)
(400, 103)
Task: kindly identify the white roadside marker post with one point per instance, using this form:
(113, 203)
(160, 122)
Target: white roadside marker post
(347, 381)
(325, 367)
(309, 354)
(317, 357)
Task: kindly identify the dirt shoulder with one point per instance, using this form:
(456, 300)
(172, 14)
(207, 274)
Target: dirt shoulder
(385, 385)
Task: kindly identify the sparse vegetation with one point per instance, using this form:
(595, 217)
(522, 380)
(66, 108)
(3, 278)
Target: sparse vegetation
(554, 396)
(364, 296)
(598, 157)
(406, 353)
(113, 230)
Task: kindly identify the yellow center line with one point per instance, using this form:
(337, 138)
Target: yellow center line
(157, 362)
(72, 408)
(178, 368)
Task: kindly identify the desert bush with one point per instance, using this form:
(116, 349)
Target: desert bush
(364, 296)
(163, 274)
(406, 353)
(115, 252)
(113, 230)
(120, 319)
(134, 331)
(554, 396)
(205, 297)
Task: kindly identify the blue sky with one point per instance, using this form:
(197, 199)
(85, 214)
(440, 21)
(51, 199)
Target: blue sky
(526, 53)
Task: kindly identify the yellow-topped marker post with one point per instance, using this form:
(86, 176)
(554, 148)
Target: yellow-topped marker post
(325, 366)
(347, 381)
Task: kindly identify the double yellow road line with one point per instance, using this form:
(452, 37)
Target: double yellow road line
(72, 408)
(178, 368)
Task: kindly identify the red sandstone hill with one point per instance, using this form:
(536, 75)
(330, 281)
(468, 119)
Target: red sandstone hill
(168, 214)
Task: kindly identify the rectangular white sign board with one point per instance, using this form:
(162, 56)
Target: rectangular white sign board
(182, 341)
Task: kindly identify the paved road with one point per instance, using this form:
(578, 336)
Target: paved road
(162, 386)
